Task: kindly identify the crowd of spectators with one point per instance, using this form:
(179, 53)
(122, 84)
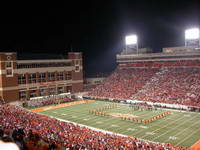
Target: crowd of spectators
(32, 131)
(172, 84)
(48, 100)
(123, 83)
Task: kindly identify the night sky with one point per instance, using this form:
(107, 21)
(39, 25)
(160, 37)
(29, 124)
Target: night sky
(97, 28)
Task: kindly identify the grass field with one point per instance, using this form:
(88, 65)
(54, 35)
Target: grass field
(178, 128)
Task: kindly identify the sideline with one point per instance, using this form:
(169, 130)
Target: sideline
(41, 109)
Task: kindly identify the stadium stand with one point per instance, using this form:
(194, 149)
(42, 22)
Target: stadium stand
(47, 100)
(173, 83)
(123, 83)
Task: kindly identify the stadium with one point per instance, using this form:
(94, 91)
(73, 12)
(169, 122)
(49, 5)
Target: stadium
(150, 101)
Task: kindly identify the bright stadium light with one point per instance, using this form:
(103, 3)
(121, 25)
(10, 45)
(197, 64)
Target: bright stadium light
(191, 34)
(131, 40)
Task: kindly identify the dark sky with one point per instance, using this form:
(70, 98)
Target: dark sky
(97, 28)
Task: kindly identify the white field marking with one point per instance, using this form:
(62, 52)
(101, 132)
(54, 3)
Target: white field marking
(136, 125)
(184, 129)
(173, 138)
(86, 119)
(170, 119)
(99, 122)
(149, 133)
(64, 114)
(131, 129)
(187, 137)
(174, 128)
(112, 118)
(162, 126)
(114, 125)
(143, 127)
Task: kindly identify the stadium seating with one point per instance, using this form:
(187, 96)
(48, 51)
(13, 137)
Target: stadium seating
(166, 82)
(123, 83)
(173, 85)
(48, 101)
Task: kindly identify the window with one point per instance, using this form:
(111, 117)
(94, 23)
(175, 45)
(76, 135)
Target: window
(77, 62)
(60, 90)
(22, 94)
(60, 76)
(33, 93)
(21, 79)
(9, 72)
(68, 88)
(76, 68)
(9, 64)
(68, 75)
(51, 76)
(43, 65)
(52, 90)
(32, 78)
(42, 91)
(42, 77)
(9, 69)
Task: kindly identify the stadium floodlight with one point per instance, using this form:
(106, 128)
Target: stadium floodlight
(131, 40)
(192, 37)
(191, 34)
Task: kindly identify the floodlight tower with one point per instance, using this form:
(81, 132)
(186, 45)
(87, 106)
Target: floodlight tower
(192, 37)
(131, 43)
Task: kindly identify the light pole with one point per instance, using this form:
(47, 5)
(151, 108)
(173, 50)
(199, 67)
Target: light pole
(192, 37)
(131, 42)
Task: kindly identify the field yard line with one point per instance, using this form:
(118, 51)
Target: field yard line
(174, 127)
(72, 113)
(157, 124)
(134, 123)
(164, 126)
(139, 124)
(118, 119)
(108, 121)
(184, 129)
(187, 137)
(97, 118)
(123, 126)
(147, 125)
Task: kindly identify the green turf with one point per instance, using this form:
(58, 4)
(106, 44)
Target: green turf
(179, 128)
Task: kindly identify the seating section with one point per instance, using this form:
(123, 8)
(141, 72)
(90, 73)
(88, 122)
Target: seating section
(174, 86)
(166, 82)
(123, 83)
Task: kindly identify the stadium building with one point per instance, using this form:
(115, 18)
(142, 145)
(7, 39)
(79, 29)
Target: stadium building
(170, 77)
(170, 57)
(23, 79)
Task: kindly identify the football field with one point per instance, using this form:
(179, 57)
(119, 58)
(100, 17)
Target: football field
(177, 128)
